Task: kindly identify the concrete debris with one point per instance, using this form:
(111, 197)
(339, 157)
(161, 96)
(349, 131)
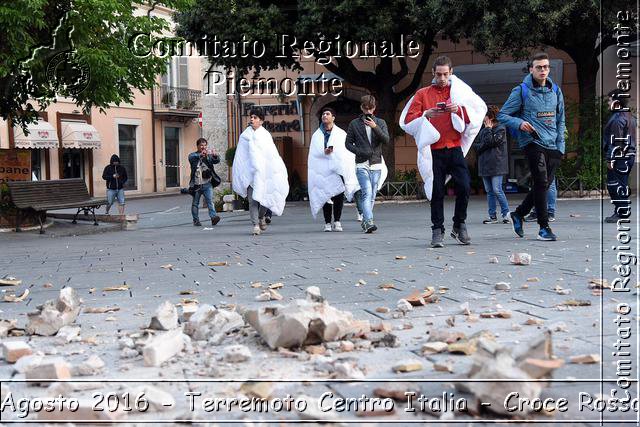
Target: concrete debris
(14, 350)
(49, 369)
(315, 349)
(403, 305)
(346, 346)
(85, 411)
(261, 390)
(347, 369)
(187, 311)
(313, 294)
(68, 333)
(520, 258)
(26, 363)
(395, 391)
(407, 366)
(534, 322)
(493, 361)
(313, 412)
(100, 310)
(158, 399)
(499, 314)
(383, 339)
(418, 298)
(300, 323)
(503, 286)
(433, 347)
(383, 310)
(53, 315)
(129, 353)
(467, 347)
(165, 317)
(443, 367)
(210, 323)
(6, 326)
(10, 281)
(585, 359)
(16, 298)
(93, 365)
(493, 260)
(446, 336)
(163, 347)
(236, 353)
(596, 283)
(279, 285)
(269, 295)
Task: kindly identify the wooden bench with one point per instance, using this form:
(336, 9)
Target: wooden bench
(43, 196)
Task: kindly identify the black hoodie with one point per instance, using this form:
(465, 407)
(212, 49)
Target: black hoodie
(110, 170)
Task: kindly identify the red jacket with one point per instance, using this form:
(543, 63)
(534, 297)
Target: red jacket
(428, 97)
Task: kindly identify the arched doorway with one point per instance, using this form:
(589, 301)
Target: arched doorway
(346, 110)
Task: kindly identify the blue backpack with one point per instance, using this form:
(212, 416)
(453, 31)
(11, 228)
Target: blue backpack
(524, 93)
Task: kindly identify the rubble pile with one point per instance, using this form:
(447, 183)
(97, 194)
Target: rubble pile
(53, 315)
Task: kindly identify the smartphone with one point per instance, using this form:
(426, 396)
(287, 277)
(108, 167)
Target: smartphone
(369, 116)
(441, 105)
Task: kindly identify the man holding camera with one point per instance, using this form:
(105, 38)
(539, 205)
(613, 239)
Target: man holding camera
(202, 180)
(535, 110)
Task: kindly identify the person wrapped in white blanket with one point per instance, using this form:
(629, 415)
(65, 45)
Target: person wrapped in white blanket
(444, 119)
(331, 171)
(259, 172)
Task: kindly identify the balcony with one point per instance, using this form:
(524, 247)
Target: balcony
(172, 103)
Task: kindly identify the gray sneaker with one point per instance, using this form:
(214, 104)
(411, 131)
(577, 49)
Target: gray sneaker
(437, 238)
(460, 234)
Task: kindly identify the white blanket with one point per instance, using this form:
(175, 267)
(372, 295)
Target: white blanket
(425, 134)
(326, 172)
(258, 164)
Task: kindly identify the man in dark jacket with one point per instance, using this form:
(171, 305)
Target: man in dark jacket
(115, 176)
(619, 147)
(201, 181)
(365, 137)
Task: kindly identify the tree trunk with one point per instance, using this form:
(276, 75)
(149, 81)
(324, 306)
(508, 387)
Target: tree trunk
(588, 114)
(387, 111)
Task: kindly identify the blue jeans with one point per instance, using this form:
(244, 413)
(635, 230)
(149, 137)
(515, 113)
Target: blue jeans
(112, 195)
(368, 180)
(552, 195)
(493, 187)
(207, 191)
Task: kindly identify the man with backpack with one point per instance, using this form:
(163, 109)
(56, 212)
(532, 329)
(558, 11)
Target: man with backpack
(535, 110)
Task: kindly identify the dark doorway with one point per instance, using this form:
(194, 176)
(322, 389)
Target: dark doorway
(73, 163)
(346, 110)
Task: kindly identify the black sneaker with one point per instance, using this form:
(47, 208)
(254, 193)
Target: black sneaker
(196, 223)
(532, 217)
(460, 234)
(490, 220)
(267, 219)
(546, 234)
(370, 227)
(552, 217)
(215, 220)
(516, 221)
(612, 219)
(437, 238)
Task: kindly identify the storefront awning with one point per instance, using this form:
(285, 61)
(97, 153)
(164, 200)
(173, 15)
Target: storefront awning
(80, 135)
(41, 135)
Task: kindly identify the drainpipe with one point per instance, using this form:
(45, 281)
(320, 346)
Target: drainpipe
(153, 123)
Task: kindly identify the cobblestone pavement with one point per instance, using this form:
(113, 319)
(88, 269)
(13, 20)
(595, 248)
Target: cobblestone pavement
(297, 253)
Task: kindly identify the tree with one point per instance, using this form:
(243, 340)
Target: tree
(517, 27)
(351, 20)
(74, 48)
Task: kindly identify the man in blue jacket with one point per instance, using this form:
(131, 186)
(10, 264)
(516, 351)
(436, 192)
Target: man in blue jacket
(619, 147)
(535, 110)
(203, 179)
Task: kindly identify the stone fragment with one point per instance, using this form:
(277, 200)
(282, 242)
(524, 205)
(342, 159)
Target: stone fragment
(433, 347)
(534, 321)
(407, 366)
(14, 350)
(86, 411)
(53, 315)
(493, 260)
(446, 336)
(25, 363)
(100, 310)
(11, 297)
(165, 317)
(313, 294)
(299, 323)
(68, 333)
(585, 359)
(499, 314)
(93, 365)
(158, 399)
(10, 281)
(346, 370)
(520, 258)
(237, 353)
(209, 322)
(346, 346)
(503, 286)
(261, 390)
(6, 326)
(383, 310)
(269, 295)
(315, 349)
(403, 305)
(313, 412)
(49, 369)
(467, 347)
(382, 339)
(443, 367)
(163, 347)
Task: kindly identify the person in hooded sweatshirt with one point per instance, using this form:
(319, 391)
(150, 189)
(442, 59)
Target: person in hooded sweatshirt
(115, 176)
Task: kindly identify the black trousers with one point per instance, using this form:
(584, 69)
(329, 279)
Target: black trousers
(542, 163)
(617, 184)
(449, 161)
(338, 202)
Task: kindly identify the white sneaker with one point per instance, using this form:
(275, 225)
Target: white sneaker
(337, 226)
(262, 224)
(359, 218)
(256, 230)
(327, 227)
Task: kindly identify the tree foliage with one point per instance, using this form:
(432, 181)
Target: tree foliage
(73, 48)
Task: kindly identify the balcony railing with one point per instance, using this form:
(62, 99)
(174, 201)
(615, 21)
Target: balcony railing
(177, 98)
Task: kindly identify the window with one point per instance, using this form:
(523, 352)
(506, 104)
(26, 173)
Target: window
(177, 73)
(127, 150)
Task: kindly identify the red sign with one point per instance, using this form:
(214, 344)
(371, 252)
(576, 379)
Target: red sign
(15, 165)
(200, 119)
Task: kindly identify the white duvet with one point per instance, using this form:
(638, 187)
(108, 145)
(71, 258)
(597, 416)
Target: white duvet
(425, 134)
(326, 172)
(258, 164)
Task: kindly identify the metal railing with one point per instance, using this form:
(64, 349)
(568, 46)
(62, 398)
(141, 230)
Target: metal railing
(391, 189)
(177, 98)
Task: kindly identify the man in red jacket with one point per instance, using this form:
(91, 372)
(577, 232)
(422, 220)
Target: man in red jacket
(434, 102)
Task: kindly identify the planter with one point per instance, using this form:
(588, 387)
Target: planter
(238, 205)
(9, 219)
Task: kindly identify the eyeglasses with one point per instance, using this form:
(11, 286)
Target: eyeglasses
(542, 67)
